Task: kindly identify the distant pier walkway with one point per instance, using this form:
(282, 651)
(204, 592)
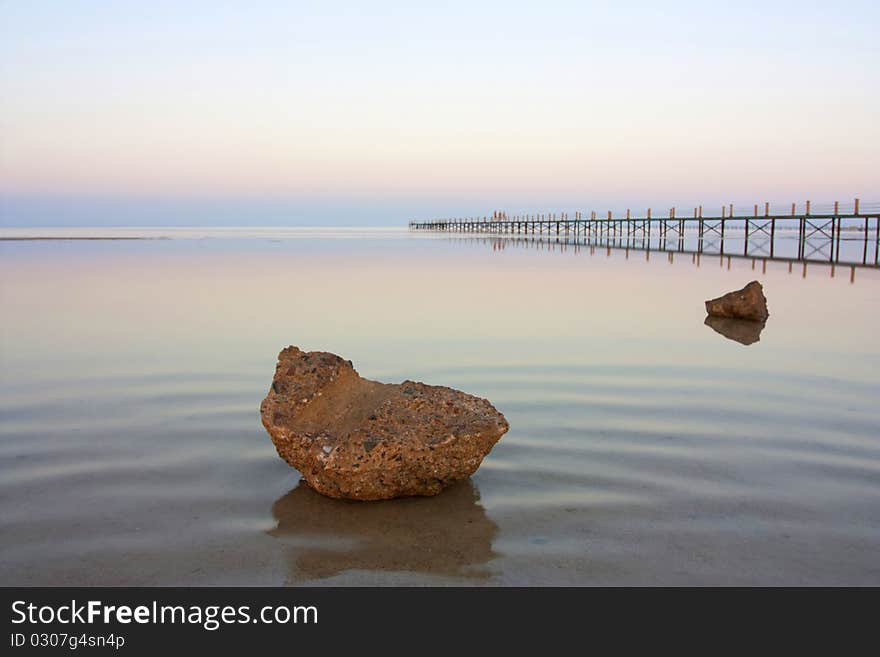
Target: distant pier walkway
(816, 232)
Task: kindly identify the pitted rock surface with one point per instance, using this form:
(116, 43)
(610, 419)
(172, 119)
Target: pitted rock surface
(359, 439)
(747, 303)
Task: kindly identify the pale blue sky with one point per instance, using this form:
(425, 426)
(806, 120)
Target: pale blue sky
(343, 112)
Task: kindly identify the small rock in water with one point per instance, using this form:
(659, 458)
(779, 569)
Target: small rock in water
(364, 440)
(747, 303)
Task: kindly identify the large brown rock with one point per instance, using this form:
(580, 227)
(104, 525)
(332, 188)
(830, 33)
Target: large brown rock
(747, 303)
(360, 439)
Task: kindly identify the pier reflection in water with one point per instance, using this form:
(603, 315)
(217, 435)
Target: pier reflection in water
(448, 535)
(670, 250)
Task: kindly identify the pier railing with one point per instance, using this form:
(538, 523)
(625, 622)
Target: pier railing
(819, 230)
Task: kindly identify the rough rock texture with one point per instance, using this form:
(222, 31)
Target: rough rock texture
(360, 439)
(747, 303)
(744, 331)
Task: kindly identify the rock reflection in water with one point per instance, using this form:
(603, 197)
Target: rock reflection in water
(743, 331)
(448, 534)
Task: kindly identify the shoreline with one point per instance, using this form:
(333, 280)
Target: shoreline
(34, 239)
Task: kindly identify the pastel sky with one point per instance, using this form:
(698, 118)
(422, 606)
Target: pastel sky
(268, 112)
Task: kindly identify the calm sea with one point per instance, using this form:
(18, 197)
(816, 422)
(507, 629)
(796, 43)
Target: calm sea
(644, 448)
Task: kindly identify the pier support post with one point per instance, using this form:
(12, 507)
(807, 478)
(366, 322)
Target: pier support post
(772, 236)
(802, 229)
(723, 221)
(700, 229)
(837, 250)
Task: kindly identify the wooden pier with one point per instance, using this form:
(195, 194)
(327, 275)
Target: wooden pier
(818, 231)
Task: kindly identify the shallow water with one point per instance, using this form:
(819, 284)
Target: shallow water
(645, 447)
